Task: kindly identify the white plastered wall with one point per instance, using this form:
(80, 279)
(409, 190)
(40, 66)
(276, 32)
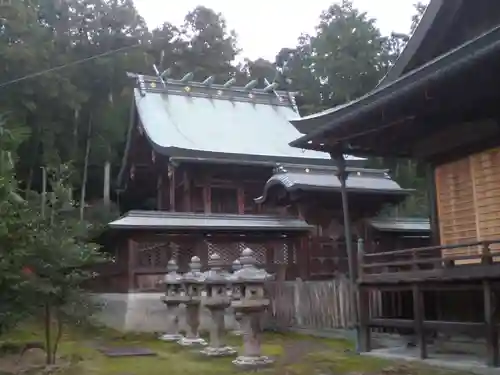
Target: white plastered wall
(144, 312)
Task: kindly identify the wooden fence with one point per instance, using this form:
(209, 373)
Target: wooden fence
(314, 304)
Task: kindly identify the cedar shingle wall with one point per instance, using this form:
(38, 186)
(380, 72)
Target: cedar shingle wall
(468, 196)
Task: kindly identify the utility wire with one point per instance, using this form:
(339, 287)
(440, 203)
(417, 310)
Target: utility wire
(77, 62)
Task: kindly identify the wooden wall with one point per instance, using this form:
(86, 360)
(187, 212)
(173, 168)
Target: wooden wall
(468, 198)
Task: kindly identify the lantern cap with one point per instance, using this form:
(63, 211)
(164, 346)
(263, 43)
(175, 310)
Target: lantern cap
(236, 265)
(194, 275)
(172, 277)
(215, 275)
(249, 273)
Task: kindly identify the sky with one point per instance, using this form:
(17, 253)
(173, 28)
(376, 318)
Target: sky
(266, 26)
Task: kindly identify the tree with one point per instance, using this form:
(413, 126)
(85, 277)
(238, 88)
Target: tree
(415, 19)
(211, 47)
(343, 60)
(60, 261)
(346, 54)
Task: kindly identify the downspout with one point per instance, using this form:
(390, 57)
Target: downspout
(342, 175)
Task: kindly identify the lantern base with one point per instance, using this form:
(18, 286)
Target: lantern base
(224, 351)
(252, 362)
(171, 337)
(192, 341)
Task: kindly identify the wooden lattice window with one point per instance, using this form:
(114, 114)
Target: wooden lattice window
(228, 251)
(281, 254)
(155, 255)
(259, 251)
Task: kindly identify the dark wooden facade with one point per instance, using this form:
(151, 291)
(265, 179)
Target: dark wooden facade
(444, 114)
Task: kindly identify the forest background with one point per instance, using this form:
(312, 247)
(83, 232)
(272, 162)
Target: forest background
(79, 115)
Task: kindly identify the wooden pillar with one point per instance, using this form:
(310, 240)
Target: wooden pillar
(241, 200)
(207, 198)
(490, 327)
(186, 190)
(433, 209)
(159, 191)
(131, 261)
(418, 316)
(171, 187)
(364, 333)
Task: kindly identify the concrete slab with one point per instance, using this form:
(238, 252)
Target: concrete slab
(450, 361)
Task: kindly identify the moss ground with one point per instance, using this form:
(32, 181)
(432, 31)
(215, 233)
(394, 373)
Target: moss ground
(295, 355)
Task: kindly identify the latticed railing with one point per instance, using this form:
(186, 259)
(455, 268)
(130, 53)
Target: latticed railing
(447, 261)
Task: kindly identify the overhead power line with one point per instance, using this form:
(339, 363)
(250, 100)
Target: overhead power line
(73, 63)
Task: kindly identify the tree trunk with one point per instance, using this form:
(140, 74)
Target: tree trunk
(107, 183)
(48, 334)
(44, 192)
(85, 168)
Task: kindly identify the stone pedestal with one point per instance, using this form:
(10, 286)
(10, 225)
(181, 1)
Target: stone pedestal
(250, 301)
(216, 347)
(192, 337)
(172, 333)
(237, 331)
(252, 355)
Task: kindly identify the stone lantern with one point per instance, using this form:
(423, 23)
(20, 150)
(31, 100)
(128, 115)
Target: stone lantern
(248, 284)
(236, 294)
(174, 296)
(193, 283)
(216, 301)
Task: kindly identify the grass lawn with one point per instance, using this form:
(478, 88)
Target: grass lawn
(295, 355)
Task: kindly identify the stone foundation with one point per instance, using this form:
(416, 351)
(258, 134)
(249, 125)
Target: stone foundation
(145, 312)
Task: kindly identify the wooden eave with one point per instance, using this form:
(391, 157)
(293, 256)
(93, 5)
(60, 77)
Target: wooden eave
(415, 104)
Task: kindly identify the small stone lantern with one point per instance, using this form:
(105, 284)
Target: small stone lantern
(249, 282)
(193, 283)
(216, 301)
(174, 296)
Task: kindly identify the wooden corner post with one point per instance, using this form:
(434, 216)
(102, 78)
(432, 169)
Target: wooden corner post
(342, 175)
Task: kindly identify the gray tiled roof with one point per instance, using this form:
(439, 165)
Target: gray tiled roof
(391, 224)
(325, 179)
(194, 221)
(211, 121)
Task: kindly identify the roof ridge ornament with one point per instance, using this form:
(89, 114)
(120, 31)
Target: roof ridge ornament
(187, 77)
(209, 81)
(251, 85)
(160, 75)
(142, 84)
(229, 83)
(272, 87)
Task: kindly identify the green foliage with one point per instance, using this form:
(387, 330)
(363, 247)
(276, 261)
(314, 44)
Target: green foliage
(15, 233)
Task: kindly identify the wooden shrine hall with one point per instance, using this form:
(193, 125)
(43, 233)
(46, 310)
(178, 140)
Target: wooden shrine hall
(438, 105)
(199, 176)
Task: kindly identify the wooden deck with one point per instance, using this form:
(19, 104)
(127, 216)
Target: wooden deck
(473, 265)
(466, 263)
